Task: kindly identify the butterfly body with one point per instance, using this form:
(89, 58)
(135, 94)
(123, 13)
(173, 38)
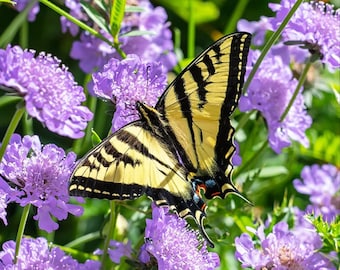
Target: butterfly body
(181, 146)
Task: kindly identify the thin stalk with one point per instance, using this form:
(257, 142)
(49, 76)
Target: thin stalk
(302, 79)
(109, 236)
(11, 128)
(255, 157)
(191, 31)
(83, 239)
(75, 21)
(269, 44)
(21, 230)
(236, 15)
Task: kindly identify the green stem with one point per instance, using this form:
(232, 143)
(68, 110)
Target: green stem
(8, 35)
(110, 233)
(244, 119)
(11, 128)
(269, 44)
(83, 239)
(21, 230)
(255, 157)
(191, 31)
(75, 21)
(297, 90)
(236, 15)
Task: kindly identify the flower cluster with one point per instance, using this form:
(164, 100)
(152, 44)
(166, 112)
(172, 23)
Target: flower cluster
(34, 174)
(38, 254)
(322, 184)
(314, 26)
(154, 45)
(127, 81)
(281, 249)
(51, 95)
(270, 92)
(173, 244)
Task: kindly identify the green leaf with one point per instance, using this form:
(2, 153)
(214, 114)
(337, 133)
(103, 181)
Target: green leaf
(95, 138)
(117, 16)
(203, 11)
(329, 232)
(95, 15)
(134, 9)
(137, 33)
(324, 148)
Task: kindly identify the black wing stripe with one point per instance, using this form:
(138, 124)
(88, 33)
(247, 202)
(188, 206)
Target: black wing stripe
(183, 99)
(201, 83)
(135, 143)
(237, 68)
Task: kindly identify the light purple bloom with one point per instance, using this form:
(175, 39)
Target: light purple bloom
(127, 81)
(40, 176)
(39, 255)
(51, 95)
(316, 25)
(281, 249)
(117, 250)
(20, 5)
(173, 244)
(270, 92)
(154, 45)
(314, 28)
(322, 184)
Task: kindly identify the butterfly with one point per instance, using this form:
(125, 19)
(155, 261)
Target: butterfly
(181, 147)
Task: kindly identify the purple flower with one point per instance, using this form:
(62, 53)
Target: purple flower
(20, 5)
(315, 25)
(270, 92)
(127, 81)
(49, 90)
(155, 45)
(39, 176)
(173, 244)
(117, 250)
(38, 254)
(281, 249)
(322, 184)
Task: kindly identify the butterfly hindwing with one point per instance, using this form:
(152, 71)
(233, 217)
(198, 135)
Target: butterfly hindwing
(197, 106)
(134, 161)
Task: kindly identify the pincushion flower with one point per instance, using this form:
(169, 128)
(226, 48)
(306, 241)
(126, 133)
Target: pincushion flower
(315, 25)
(281, 249)
(270, 92)
(154, 45)
(39, 255)
(173, 244)
(127, 81)
(313, 28)
(322, 184)
(51, 95)
(38, 175)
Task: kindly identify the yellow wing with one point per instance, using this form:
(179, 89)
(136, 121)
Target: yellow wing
(134, 161)
(197, 106)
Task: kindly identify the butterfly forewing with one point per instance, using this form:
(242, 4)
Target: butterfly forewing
(198, 103)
